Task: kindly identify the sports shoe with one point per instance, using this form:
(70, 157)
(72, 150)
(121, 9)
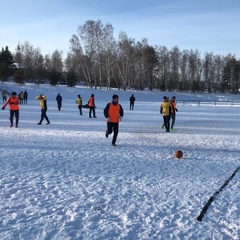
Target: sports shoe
(163, 126)
(11, 125)
(171, 129)
(106, 134)
(47, 123)
(39, 123)
(113, 144)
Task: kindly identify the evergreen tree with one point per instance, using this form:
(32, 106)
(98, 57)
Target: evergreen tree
(71, 79)
(6, 61)
(54, 77)
(19, 76)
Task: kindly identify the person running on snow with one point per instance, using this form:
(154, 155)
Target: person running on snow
(165, 110)
(91, 103)
(113, 113)
(173, 111)
(79, 103)
(43, 106)
(14, 108)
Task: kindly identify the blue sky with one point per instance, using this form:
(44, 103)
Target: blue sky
(205, 25)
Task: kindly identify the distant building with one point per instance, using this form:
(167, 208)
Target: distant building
(18, 65)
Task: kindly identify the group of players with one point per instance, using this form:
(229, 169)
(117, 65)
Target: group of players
(113, 111)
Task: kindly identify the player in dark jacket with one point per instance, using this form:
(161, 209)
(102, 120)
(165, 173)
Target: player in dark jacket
(59, 101)
(132, 100)
(25, 97)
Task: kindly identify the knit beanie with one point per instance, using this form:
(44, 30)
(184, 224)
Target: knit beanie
(114, 96)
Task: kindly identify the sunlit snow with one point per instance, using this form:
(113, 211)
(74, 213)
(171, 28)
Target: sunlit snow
(65, 181)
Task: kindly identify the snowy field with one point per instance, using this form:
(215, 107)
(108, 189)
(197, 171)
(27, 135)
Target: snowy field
(65, 181)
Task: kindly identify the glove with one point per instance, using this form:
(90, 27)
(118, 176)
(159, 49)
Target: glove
(108, 119)
(176, 109)
(3, 108)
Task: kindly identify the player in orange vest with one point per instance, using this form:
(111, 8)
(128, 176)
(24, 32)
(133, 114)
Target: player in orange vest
(91, 104)
(14, 108)
(173, 111)
(113, 113)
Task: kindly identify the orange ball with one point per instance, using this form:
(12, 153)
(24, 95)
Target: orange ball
(178, 154)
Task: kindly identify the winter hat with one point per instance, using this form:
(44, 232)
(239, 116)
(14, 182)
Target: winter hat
(14, 93)
(92, 95)
(164, 97)
(114, 96)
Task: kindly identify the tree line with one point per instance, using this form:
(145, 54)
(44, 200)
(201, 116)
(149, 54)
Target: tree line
(97, 59)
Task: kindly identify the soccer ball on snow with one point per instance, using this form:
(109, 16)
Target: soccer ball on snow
(178, 154)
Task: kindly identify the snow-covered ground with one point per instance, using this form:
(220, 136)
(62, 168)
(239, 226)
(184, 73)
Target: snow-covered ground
(65, 181)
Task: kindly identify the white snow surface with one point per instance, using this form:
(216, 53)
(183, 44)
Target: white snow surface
(65, 181)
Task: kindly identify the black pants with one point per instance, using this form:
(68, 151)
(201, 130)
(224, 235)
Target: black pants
(166, 120)
(12, 113)
(92, 109)
(44, 115)
(25, 100)
(80, 109)
(131, 106)
(113, 127)
(172, 117)
(59, 105)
